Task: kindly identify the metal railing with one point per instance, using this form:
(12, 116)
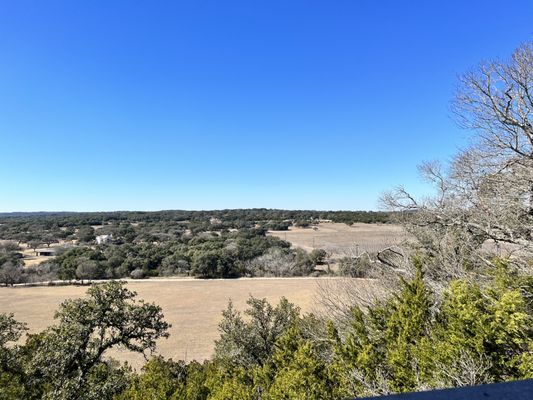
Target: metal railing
(516, 390)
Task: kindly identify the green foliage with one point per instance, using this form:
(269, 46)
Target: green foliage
(85, 234)
(251, 342)
(160, 380)
(214, 264)
(491, 323)
(70, 261)
(414, 340)
(381, 344)
(300, 371)
(130, 227)
(235, 385)
(474, 332)
(318, 256)
(11, 386)
(203, 256)
(65, 361)
(164, 244)
(476, 335)
(302, 223)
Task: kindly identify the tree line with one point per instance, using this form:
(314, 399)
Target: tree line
(25, 227)
(248, 252)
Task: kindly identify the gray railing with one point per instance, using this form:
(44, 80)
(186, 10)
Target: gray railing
(517, 390)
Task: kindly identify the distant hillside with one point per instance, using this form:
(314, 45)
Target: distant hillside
(23, 214)
(226, 215)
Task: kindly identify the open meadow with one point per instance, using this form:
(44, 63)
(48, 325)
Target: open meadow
(340, 239)
(192, 306)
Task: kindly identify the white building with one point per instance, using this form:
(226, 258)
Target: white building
(104, 239)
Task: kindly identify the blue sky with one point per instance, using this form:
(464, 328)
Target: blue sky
(148, 105)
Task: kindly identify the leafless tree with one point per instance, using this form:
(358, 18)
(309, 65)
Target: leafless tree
(467, 370)
(377, 385)
(9, 246)
(336, 297)
(10, 274)
(483, 200)
(273, 263)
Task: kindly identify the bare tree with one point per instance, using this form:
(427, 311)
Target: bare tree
(337, 297)
(483, 200)
(369, 278)
(496, 101)
(34, 244)
(466, 370)
(10, 274)
(9, 246)
(274, 262)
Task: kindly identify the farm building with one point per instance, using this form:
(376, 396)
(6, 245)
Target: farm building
(104, 239)
(45, 252)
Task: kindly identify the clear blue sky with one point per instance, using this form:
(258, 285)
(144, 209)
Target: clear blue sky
(147, 105)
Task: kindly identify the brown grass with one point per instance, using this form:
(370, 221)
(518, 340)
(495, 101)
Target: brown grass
(31, 259)
(341, 239)
(193, 307)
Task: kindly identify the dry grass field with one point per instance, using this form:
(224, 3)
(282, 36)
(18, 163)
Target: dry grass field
(31, 260)
(340, 239)
(193, 307)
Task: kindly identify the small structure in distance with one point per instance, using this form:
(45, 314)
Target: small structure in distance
(104, 239)
(48, 252)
